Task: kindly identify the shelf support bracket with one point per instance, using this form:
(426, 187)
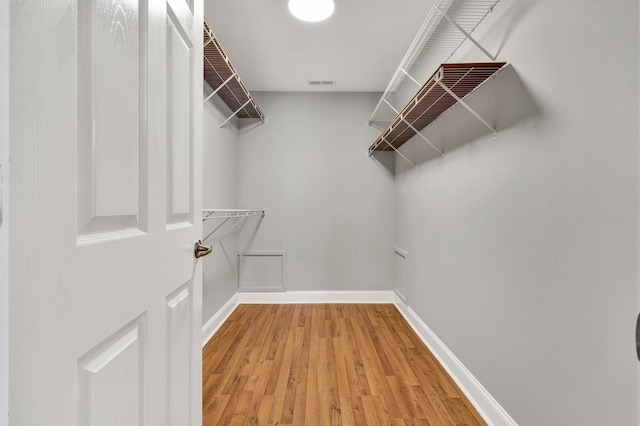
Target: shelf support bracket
(220, 87)
(466, 34)
(217, 227)
(423, 137)
(244, 219)
(234, 114)
(208, 41)
(396, 150)
(468, 108)
(410, 77)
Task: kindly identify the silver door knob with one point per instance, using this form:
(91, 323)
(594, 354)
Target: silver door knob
(201, 250)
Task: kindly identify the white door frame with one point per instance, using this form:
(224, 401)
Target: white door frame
(4, 213)
(638, 239)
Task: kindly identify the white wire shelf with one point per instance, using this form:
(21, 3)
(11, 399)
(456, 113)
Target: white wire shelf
(223, 78)
(242, 215)
(449, 85)
(446, 27)
(229, 213)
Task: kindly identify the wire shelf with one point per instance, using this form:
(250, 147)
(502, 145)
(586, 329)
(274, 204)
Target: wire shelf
(242, 215)
(221, 75)
(228, 213)
(448, 24)
(446, 87)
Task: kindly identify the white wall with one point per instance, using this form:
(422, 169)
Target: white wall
(220, 173)
(523, 250)
(4, 213)
(329, 206)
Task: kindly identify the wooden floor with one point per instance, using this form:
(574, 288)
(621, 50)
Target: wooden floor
(326, 364)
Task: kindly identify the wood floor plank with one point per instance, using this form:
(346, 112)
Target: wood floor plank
(348, 418)
(404, 399)
(358, 410)
(263, 411)
(292, 378)
(213, 408)
(299, 408)
(326, 364)
(425, 407)
(312, 402)
(341, 367)
(358, 382)
(283, 390)
(232, 404)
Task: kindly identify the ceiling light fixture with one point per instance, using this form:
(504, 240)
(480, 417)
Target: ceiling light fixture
(311, 10)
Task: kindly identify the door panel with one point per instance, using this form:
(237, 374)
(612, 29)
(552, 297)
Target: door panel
(111, 383)
(179, 122)
(179, 320)
(110, 49)
(105, 295)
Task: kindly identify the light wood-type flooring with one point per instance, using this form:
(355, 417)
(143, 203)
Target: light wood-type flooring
(326, 364)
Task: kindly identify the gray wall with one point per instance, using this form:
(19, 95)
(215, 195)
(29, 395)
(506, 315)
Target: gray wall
(523, 251)
(328, 205)
(4, 213)
(220, 173)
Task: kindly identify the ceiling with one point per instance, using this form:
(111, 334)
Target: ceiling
(359, 46)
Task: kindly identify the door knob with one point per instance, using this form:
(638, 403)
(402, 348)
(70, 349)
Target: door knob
(638, 337)
(201, 250)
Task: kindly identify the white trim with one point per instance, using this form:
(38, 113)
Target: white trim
(214, 323)
(400, 297)
(317, 297)
(481, 399)
(5, 122)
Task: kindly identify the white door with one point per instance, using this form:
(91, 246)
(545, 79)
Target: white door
(105, 292)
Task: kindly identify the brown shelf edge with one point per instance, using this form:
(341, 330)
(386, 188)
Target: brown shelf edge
(219, 68)
(431, 101)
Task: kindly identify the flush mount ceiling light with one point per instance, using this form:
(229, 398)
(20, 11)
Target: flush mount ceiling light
(311, 10)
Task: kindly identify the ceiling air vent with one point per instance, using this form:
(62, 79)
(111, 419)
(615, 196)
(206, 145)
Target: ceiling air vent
(322, 82)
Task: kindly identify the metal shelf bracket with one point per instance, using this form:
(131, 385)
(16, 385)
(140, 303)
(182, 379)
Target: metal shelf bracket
(212, 94)
(468, 108)
(210, 39)
(410, 77)
(235, 112)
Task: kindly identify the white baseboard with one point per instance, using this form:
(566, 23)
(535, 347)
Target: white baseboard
(481, 399)
(317, 297)
(214, 323)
